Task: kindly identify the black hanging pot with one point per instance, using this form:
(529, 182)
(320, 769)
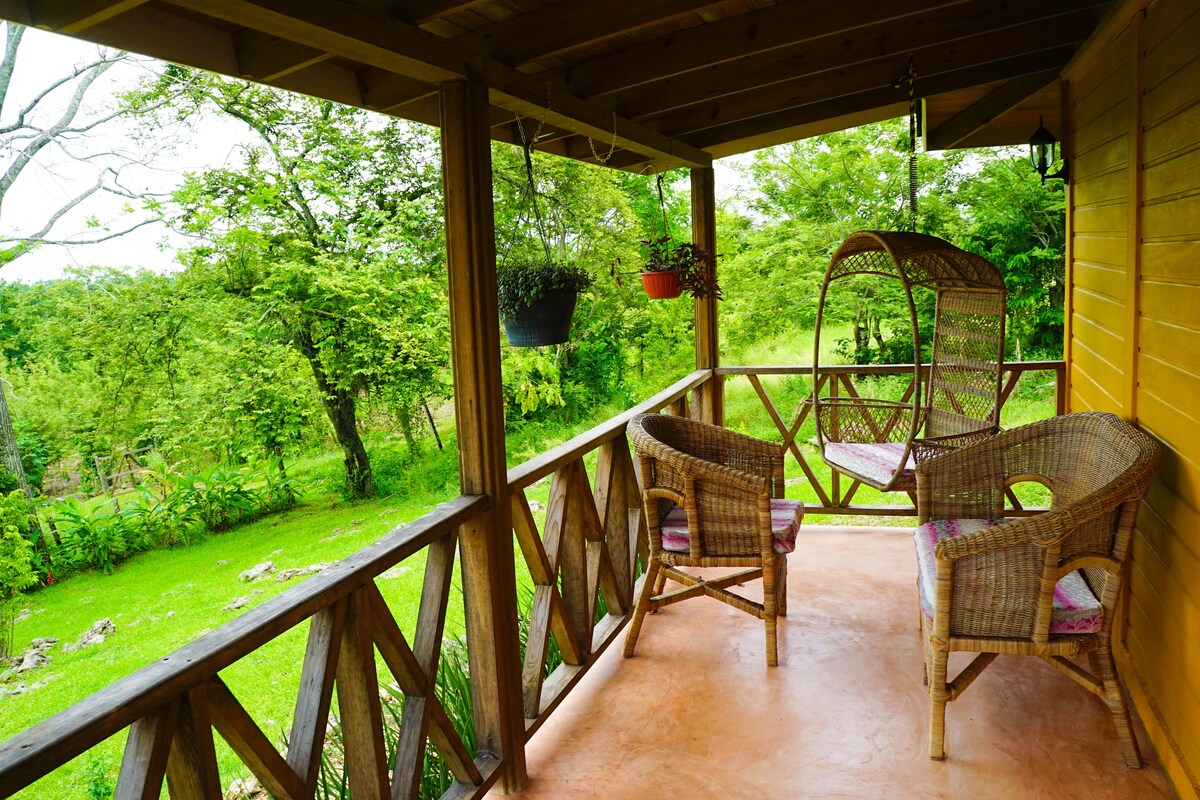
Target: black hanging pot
(546, 321)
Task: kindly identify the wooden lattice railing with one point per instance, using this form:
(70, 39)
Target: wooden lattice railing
(593, 536)
(833, 496)
(172, 706)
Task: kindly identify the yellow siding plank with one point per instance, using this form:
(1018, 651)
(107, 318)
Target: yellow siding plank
(1172, 616)
(1177, 218)
(1178, 174)
(1175, 303)
(1097, 88)
(1179, 89)
(1179, 261)
(1171, 343)
(1172, 528)
(1100, 368)
(1178, 470)
(1107, 187)
(1170, 54)
(1176, 132)
(1113, 156)
(1101, 219)
(1104, 280)
(1165, 18)
(1104, 250)
(1101, 314)
(1107, 126)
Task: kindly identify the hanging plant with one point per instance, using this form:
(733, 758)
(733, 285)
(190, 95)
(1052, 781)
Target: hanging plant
(672, 268)
(537, 299)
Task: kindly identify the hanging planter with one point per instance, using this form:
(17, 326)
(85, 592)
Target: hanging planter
(661, 285)
(537, 300)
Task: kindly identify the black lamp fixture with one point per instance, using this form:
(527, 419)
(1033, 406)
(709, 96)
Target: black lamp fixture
(1043, 149)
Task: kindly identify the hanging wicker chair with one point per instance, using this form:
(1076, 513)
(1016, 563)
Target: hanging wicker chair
(879, 442)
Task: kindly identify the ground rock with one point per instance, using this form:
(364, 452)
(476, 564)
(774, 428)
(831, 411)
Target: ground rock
(257, 572)
(296, 572)
(95, 635)
(246, 789)
(238, 602)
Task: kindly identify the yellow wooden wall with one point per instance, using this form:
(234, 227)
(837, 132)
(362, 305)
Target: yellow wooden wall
(1134, 333)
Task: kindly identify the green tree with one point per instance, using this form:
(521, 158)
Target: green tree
(329, 230)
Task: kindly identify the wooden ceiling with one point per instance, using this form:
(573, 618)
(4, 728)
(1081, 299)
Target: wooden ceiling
(660, 83)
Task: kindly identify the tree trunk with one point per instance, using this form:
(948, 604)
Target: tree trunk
(340, 407)
(10, 456)
(287, 488)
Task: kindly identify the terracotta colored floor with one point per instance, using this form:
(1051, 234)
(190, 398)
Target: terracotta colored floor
(697, 714)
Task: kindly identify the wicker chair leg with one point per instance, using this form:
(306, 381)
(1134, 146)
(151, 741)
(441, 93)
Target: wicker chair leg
(781, 585)
(654, 572)
(770, 614)
(660, 583)
(1105, 669)
(939, 695)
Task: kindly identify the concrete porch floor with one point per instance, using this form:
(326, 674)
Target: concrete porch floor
(697, 714)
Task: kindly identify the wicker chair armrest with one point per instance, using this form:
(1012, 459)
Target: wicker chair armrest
(930, 447)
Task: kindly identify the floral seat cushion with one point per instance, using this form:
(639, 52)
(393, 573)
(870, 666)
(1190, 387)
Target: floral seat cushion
(1076, 609)
(876, 462)
(785, 524)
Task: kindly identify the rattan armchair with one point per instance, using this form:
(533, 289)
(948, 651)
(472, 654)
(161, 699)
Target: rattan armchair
(713, 498)
(1045, 585)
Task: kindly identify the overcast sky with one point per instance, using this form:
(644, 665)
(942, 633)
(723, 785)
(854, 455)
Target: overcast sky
(43, 189)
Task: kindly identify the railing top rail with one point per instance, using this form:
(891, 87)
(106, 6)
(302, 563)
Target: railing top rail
(539, 467)
(53, 742)
(869, 369)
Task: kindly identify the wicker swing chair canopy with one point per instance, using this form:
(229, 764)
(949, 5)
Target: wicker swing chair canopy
(917, 259)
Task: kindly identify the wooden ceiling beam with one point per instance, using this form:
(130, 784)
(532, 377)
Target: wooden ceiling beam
(982, 112)
(737, 37)
(75, 16)
(1029, 38)
(265, 58)
(728, 138)
(573, 23)
(915, 34)
(358, 34)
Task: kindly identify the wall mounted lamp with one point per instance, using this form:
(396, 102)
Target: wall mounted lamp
(1043, 151)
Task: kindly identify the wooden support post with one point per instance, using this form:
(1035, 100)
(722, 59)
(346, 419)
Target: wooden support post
(486, 543)
(710, 398)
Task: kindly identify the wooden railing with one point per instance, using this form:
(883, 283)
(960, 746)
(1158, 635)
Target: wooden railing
(588, 549)
(172, 705)
(833, 496)
(593, 536)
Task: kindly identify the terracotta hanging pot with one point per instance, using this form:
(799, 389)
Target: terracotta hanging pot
(661, 285)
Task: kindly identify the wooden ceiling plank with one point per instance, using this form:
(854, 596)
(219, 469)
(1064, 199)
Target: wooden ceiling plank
(573, 23)
(720, 138)
(915, 34)
(385, 91)
(737, 37)
(75, 16)
(265, 58)
(371, 38)
(981, 113)
(1002, 45)
(419, 12)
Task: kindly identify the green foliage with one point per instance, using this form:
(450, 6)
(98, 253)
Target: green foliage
(17, 571)
(91, 538)
(521, 284)
(100, 784)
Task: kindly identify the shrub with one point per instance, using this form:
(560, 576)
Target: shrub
(91, 538)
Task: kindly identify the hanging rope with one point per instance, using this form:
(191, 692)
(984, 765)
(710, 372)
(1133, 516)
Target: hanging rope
(662, 205)
(910, 77)
(527, 149)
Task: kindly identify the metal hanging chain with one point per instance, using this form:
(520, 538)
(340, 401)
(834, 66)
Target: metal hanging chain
(603, 159)
(910, 77)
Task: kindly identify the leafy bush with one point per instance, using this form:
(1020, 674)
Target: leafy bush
(91, 538)
(16, 570)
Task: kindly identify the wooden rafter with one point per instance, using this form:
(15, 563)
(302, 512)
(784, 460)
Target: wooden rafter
(764, 130)
(976, 116)
(992, 29)
(742, 36)
(1031, 40)
(267, 58)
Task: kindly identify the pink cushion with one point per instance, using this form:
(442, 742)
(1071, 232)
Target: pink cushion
(785, 524)
(1076, 609)
(875, 462)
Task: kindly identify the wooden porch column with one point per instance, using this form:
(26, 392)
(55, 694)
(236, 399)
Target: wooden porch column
(487, 558)
(709, 403)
